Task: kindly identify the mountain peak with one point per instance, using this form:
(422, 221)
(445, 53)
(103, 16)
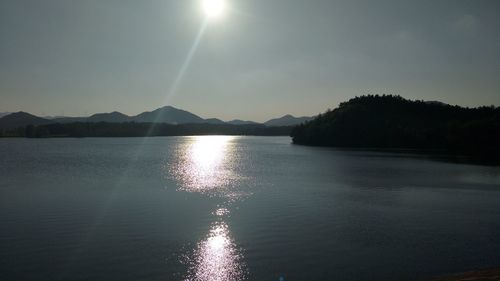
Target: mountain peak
(287, 120)
(21, 119)
(21, 113)
(113, 117)
(168, 107)
(168, 114)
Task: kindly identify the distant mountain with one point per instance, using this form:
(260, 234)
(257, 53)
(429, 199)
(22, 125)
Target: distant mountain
(215, 121)
(113, 117)
(171, 115)
(287, 120)
(242, 122)
(168, 114)
(21, 119)
(2, 114)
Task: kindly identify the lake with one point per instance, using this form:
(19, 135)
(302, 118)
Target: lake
(239, 208)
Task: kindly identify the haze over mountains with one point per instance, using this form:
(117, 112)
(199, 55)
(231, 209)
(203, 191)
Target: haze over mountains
(167, 114)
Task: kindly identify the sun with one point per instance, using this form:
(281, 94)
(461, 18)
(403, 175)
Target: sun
(213, 8)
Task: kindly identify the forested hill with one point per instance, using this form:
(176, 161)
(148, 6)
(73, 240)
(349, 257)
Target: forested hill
(394, 122)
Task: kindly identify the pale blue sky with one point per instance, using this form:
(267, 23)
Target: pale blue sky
(264, 59)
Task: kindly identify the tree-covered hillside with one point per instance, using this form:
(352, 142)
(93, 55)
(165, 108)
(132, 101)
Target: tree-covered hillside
(394, 122)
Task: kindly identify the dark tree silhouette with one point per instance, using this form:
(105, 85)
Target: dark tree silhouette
(388, 121)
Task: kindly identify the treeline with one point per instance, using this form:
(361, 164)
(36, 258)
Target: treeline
(388, 121)
(132, 129)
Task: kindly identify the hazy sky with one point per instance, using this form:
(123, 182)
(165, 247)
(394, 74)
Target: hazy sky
(263, 59)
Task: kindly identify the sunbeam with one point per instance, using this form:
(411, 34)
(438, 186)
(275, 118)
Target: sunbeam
(187, 61)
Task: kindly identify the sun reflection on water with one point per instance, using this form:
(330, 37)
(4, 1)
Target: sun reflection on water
(207, 155)
(217, 258)
(206, 164)
(209, 165)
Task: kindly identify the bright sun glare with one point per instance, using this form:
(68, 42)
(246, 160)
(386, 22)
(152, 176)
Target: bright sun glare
(214, 8)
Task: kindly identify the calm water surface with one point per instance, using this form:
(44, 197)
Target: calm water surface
(238, 208)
